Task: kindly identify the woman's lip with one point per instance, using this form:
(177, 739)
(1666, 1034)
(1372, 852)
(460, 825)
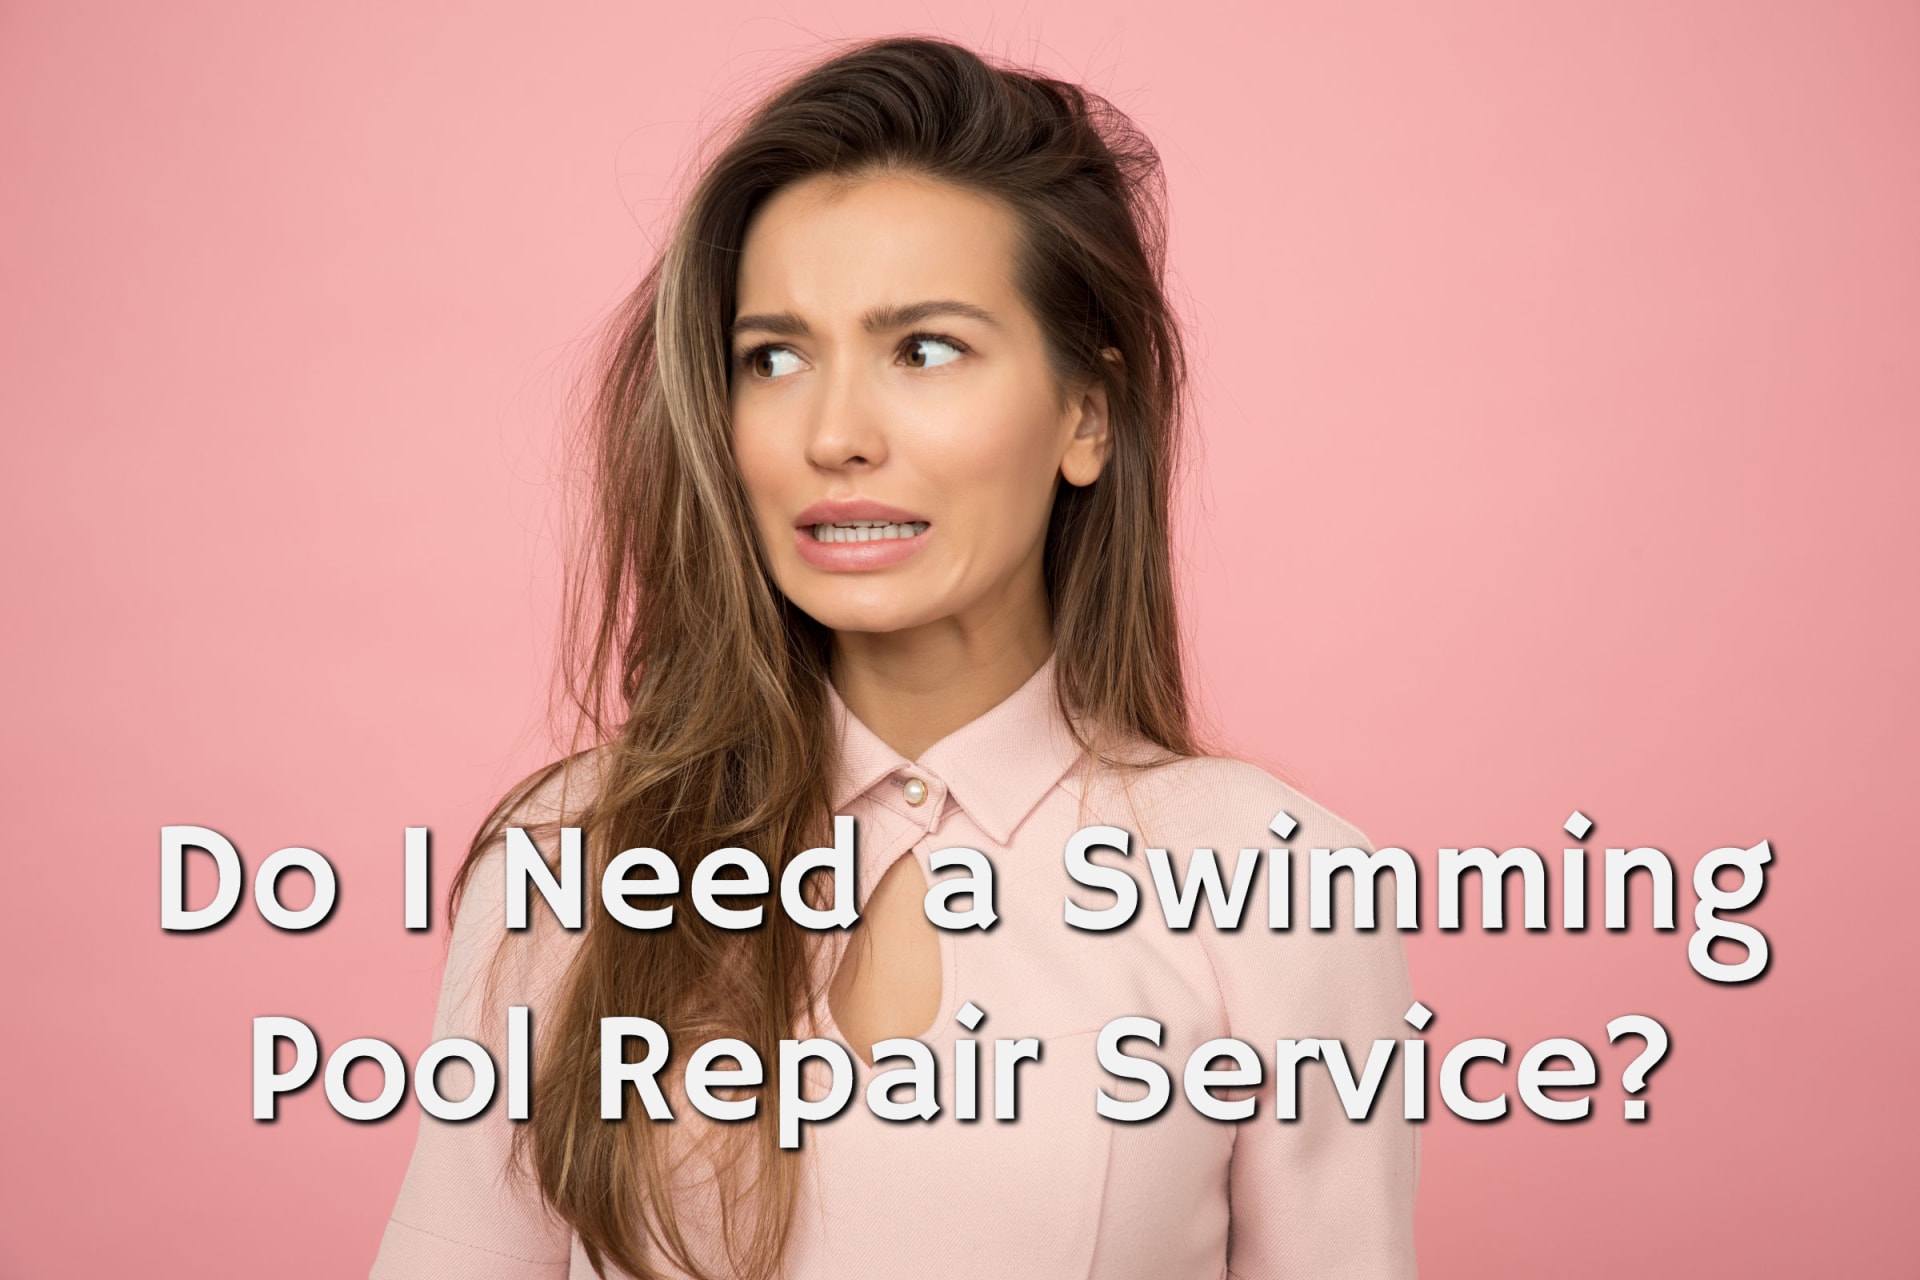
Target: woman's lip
(856, 557)
(841, 510)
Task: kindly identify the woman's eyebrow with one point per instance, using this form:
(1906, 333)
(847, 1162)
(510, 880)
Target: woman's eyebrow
(882, 319)
(788, 324)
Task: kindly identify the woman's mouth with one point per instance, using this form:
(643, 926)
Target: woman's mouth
(858, 536)
(867, 531)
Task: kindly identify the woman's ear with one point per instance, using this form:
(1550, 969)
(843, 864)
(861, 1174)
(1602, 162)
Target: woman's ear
(1092, 442)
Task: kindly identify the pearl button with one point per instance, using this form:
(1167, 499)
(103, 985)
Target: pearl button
(916, 791)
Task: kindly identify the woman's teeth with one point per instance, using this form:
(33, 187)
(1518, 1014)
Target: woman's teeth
(867, 531)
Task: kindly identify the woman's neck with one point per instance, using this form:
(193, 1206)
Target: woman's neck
(913, 688)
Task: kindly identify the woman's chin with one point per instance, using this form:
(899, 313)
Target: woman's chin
(866, 622)
(853, 612)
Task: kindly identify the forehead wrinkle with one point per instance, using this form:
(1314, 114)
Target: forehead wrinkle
(798, 207)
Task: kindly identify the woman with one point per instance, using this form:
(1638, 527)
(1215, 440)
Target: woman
(884, 453)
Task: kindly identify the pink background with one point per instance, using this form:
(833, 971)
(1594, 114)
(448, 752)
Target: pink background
(1559, 375)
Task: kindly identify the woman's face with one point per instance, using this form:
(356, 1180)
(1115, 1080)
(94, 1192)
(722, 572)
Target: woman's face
(897, 426)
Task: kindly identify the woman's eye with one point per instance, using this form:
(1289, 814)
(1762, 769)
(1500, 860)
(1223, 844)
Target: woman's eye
(929, 353)
(771, 362)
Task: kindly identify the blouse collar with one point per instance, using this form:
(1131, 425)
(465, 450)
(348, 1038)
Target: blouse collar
(997, 767)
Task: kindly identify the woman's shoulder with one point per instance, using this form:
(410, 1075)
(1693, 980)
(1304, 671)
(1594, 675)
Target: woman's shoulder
(558, 795)
(1214, 801)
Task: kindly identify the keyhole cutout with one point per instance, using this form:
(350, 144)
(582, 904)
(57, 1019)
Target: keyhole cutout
(889, 981)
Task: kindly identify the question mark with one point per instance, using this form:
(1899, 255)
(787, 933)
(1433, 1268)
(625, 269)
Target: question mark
(1634, 1079)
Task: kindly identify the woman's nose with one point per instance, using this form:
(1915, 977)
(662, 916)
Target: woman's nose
(847, 430)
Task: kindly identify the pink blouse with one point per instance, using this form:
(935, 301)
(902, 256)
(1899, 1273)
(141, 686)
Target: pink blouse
(1060, 1190)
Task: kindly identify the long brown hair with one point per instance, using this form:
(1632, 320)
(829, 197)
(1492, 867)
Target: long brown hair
(703, 691)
